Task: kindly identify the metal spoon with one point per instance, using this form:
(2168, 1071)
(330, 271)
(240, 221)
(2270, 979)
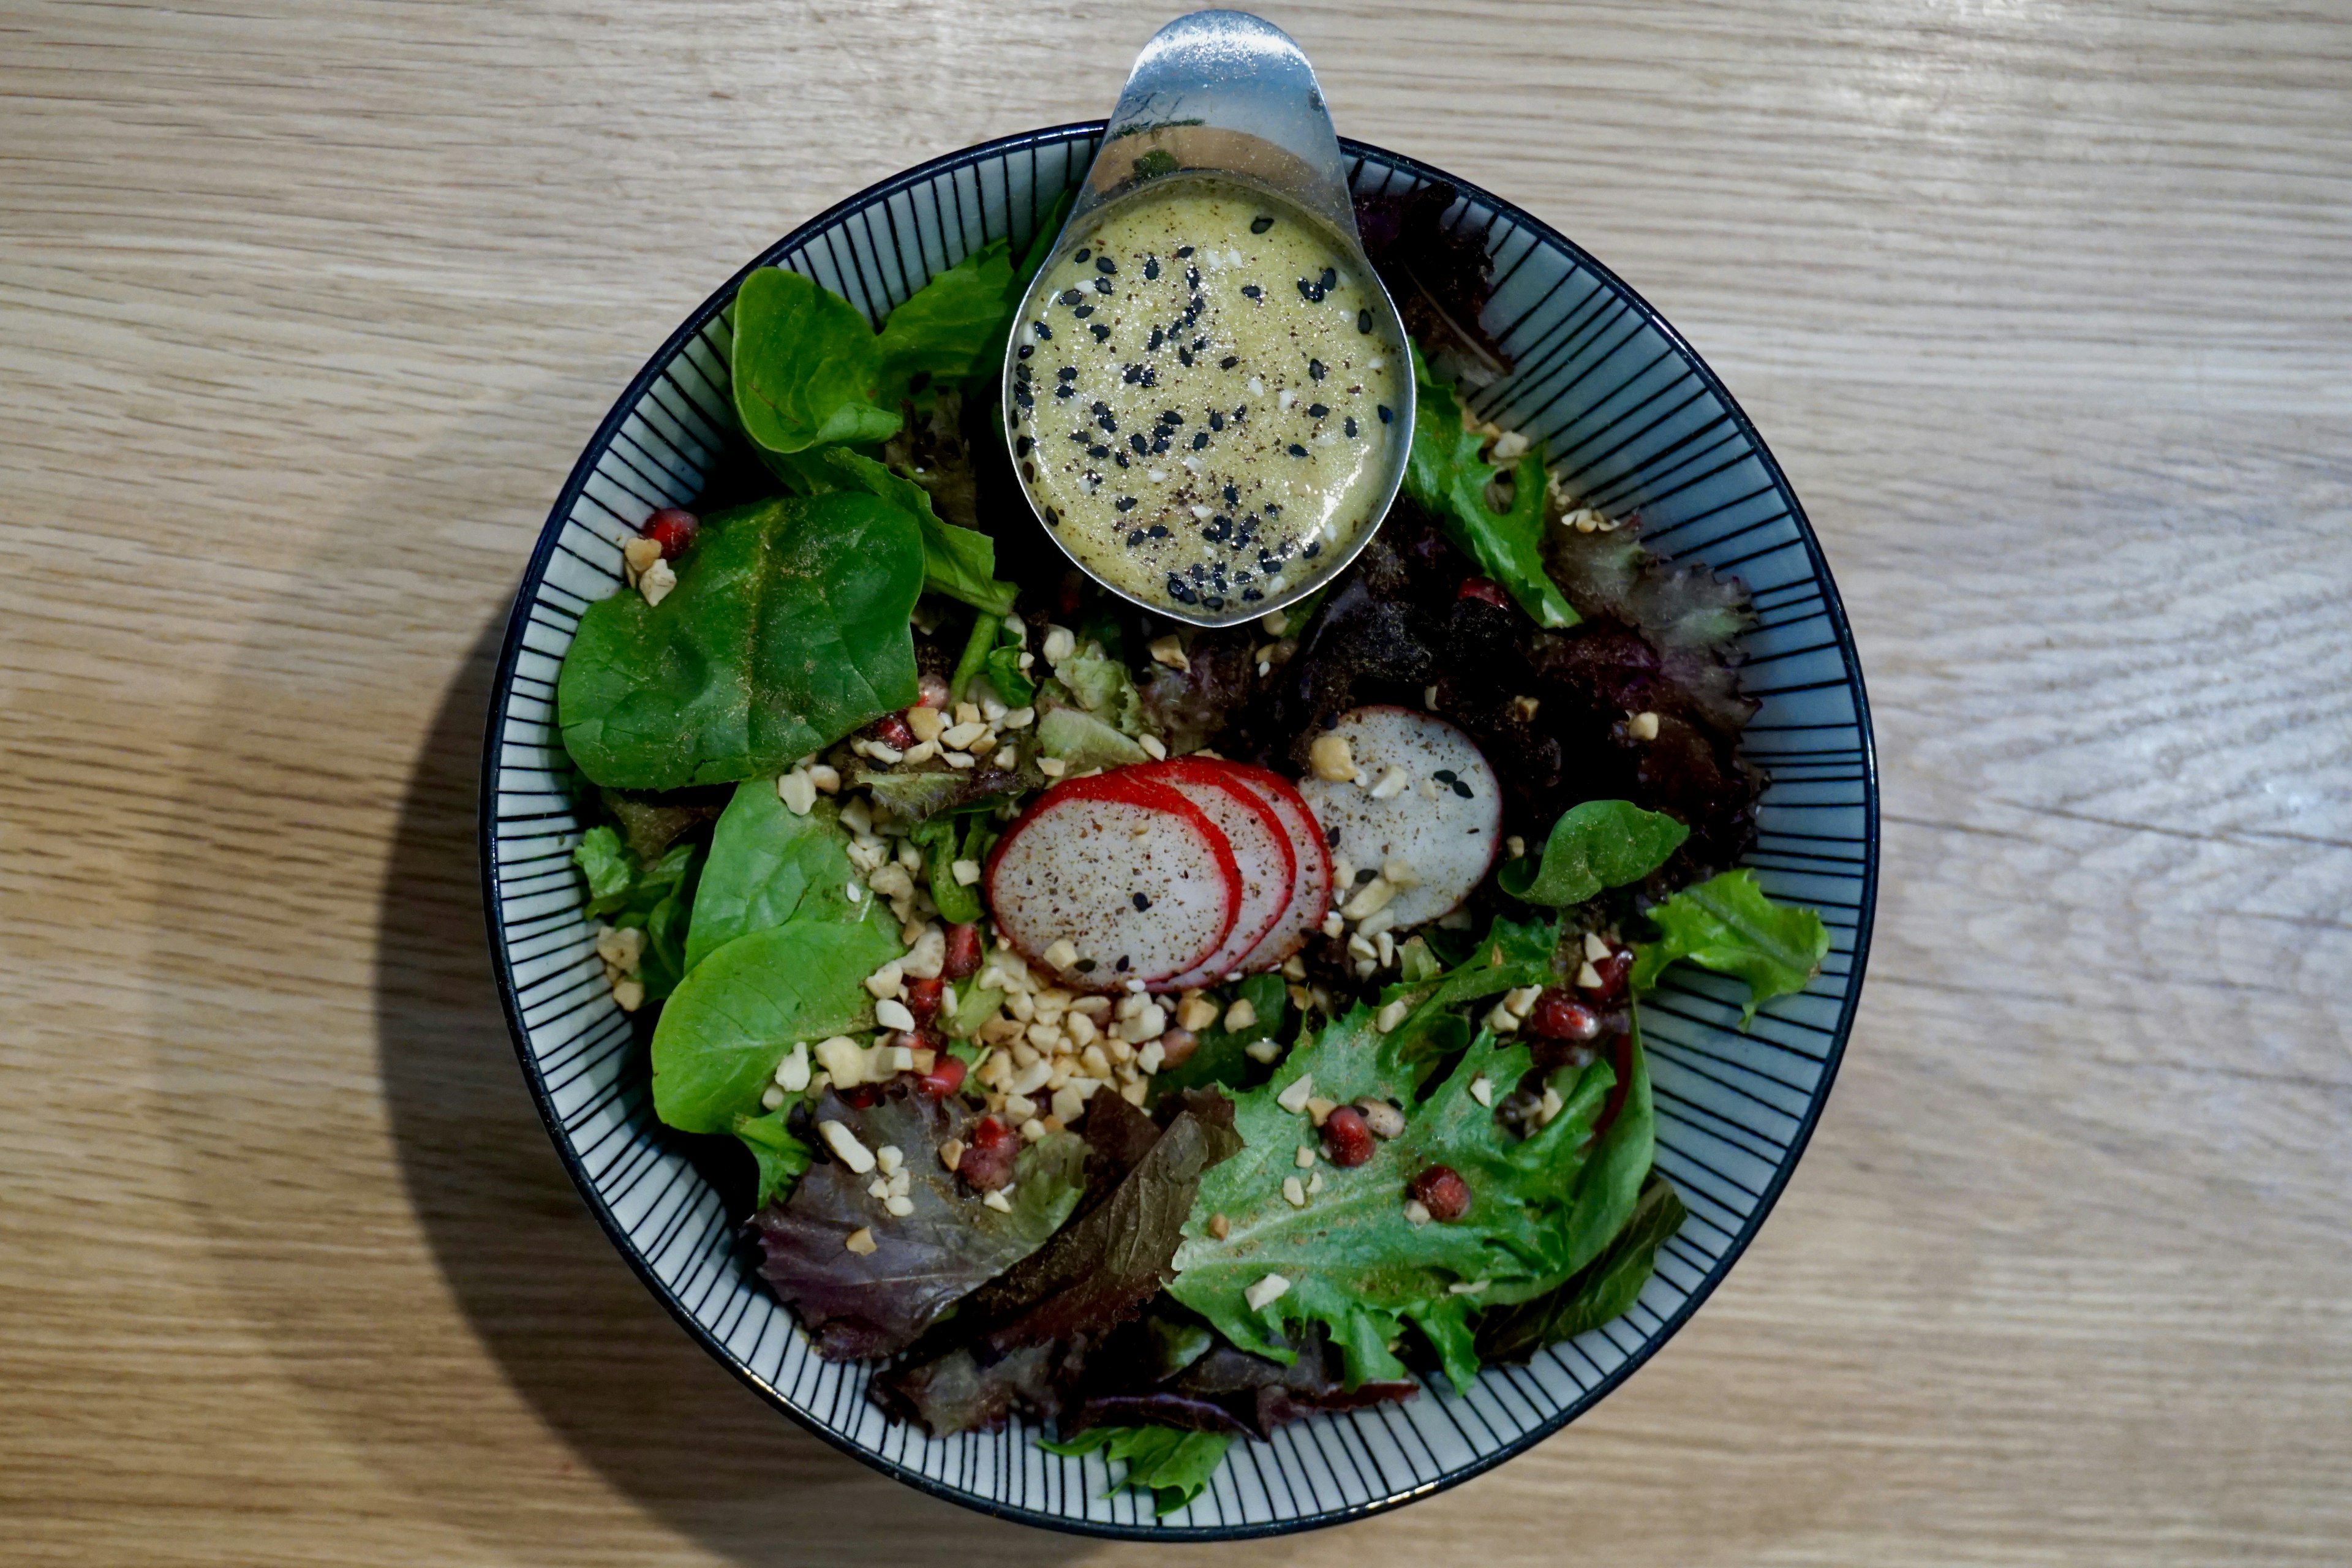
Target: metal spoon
(1228, 94)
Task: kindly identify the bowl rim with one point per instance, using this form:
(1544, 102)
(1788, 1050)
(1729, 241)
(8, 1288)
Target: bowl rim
(502, 967)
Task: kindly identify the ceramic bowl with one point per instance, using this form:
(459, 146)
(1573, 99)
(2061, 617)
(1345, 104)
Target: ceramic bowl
(1618, 399)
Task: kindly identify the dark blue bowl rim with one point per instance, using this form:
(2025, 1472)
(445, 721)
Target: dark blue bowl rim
(502, 965)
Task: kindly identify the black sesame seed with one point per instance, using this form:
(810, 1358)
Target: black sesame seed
(1150, 268)
(1192, 278)
(1232, 496)
(1099, 451)
(1022, 395)
(1142, 903)
(1315, 370)
(1297, 450)
(1067, 389)
(1366, 875)
(1229, 362)
(1021, 447)
(1026, 350)
(1183, 253)
(1260, 225)
(1104, 264)
(1044, 332)
(1082, 312)
(1021, 373)
(1082, 255)
(1351, 426)
(1386, 417)
(1158, 531)
(1134, 539)
(1084, 966)
(1052, 517)
(1169, 417)
(1462, 789)
(1444, 775)
(1133, 375)
(1067, 373)
(1072, 296)
(1125, 503)
(1160, 442)
(1240, 409)
(1363, 320)
(1318, 411)
(1272, 510)
(1101, 332)
(1119, 457)
(1029, 472)
(1312, 551)
(1251, 292)
(1110, 423)
(1180, 590)
(1121, 965)
(1331, 279)
(1184, 356)
(1308, 292)
(1156, 337)
(1200, 439)
(1140, 443)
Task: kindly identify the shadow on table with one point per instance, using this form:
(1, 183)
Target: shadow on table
(578, 1336)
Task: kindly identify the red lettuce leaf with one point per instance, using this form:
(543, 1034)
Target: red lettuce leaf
(1441, 278)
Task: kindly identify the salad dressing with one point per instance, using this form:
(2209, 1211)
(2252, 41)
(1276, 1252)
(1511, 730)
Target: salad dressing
(1204, 399)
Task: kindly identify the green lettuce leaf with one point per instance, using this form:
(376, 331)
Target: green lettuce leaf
(768, 866)
(1728, 924)
(1353, 1260)
(1599, 844)
(944, 329)
(609, 871)
(1445, 475)
(959, 562)
(1083, 741)
(1173, 1465)
(1104, 688)
(807, 369)
(945, 839)
(1603, 1289)
(787, 630)
(782, 1157)
(746, 1004)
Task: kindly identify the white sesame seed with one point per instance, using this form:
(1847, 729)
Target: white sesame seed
(1467, 1288)
(1552, 1106)
(1515, 847)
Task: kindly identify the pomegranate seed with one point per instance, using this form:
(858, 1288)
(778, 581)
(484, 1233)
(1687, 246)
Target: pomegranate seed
(923, 999)
(963, 960)
(1484, 589)
(1347, 1138)
(1620, 1062)
(892, 732)
(987, 1162)
(1441, 1190)
(945, 1077)
(1176, 1047)
(1613, 970)
(1558, 1016)
(930, 689)
(1066, 601)
(673, 530)
(865, 1097)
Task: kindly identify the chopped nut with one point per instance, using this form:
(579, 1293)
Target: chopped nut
(1416, 1211)
(1320, 1109)
(1388, 1017)
(630, 995)
(1005, 757)
(793, 1072)
(623, 949)
(1019, 1108)
(1170, 650)
(1019, 719)
(1384, 1119)
(1332, 758)
(1306, 1157)
(1362, 948)
(1293, 1193)
(1062, 953)
(998, 1200)
(1154, 747)
(1033, 1131)
(1391, 784)
(892, 1014)
(1196, 1013)
(1266, 1292)
(1219, 1227)
(1552, 1106)
(1313, 1183)
(961, 736)
(641, 552)
(1150, 1057)
(1060, 644)
(656, 582)
(926, 723)
(1594, 948)
(1525, 706)
(826, 776)
(844, 1059)
(959, 758)
(1052, 767)
(1482, 1091)
(846, 1147)
(1240, 1016)
(1587, 976)
(1521, 1001)
(1068, 1102)
(1262, 1050)
(887, 980)
(1294, 1098)
(1509, 446)
(1081, 1030)
(889, 756)
(859, 1241)
(967, 872)
(888, 1158)
(898, 1206)
(1369, 898)
(1334, 922)
(922, 751)
(771, 1097)
(1643, 726)
(1502, 1020)
(1294, 967)
(1516, 847)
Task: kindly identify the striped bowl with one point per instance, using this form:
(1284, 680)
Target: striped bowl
(1625, 407)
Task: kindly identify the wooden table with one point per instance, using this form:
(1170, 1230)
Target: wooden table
(305, 309)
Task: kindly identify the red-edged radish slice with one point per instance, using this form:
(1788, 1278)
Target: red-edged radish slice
(1423, 798)
(1133, 876)
(1262, 852)
(1310, 887)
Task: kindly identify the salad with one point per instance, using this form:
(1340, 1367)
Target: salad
(1157, 1034)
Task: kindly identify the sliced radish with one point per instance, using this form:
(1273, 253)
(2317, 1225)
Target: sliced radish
(1310, 886)
(1423, 798)
(1262, 852)
(1133, 876)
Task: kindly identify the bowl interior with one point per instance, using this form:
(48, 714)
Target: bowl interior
(1622, 405)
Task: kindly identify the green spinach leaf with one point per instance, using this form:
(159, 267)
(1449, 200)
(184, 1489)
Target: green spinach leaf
(945, 839)
(1445, 475)
(1173, 1465)
(768, 866)
(945, 327)
(746, 1004)
(959, 562)
(807, 368)
(786, 631)
(1598, 844)
(1728, 924)
(1603, 1289)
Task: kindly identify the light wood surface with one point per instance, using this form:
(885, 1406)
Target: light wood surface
(305, 310)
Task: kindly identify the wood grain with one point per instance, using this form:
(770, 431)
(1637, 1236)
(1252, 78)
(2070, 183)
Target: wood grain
(305, 310)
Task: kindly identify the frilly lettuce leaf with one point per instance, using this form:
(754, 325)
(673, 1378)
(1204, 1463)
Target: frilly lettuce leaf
(1595, 844)
(1446, 476)
(1728, 924)
(1173, 1466)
